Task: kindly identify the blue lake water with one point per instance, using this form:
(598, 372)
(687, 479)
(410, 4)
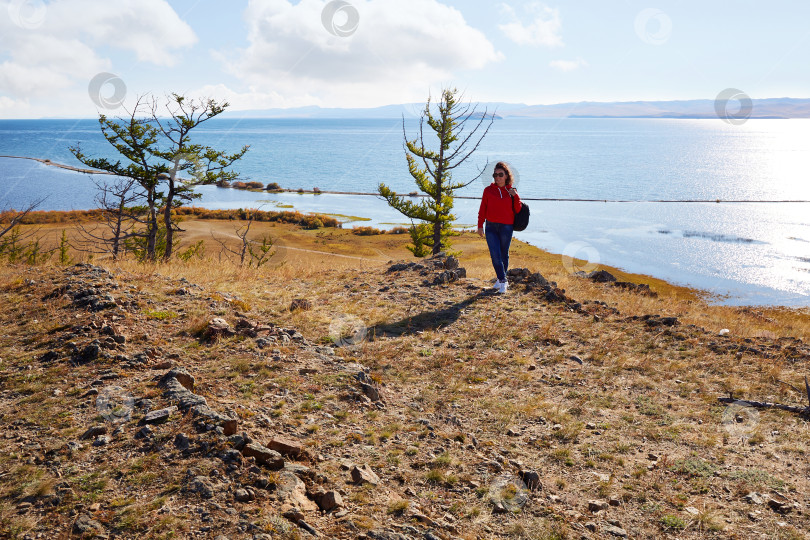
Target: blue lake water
(750, 252)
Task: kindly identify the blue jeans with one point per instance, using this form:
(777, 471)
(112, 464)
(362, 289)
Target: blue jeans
(499, 236)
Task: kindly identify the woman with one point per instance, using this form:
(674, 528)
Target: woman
(498, 211)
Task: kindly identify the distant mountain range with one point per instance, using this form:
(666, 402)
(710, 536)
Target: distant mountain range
(692, 108)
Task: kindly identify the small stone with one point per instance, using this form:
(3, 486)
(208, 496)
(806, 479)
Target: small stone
(591, 526)
(576, 359)
(93, 432)
(144, 433)
(264, 456)
(779, 503)
(723, 332)
(291, 491)
(531, 479)
(370, 391)
(364, 474)
(102, 440)
(203, 486)
(159, 416)
(598, 505)
(590, 425)
(616, 531)
(329, 500)
(753, 498)
(242, 495)
(613, 501)
(181, 441)
(287, 447)
(87, 527)
(692, 510)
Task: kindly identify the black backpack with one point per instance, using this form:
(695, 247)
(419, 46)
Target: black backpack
(522, 217)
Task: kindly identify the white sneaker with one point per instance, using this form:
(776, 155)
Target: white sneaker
(502, 286)
(497, 285)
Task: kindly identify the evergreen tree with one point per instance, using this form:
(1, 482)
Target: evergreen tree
(432, 168)
(158, 149)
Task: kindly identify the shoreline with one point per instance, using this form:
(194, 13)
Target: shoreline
(362, 193)
(637, 241)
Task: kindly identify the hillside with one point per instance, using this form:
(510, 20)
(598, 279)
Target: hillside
(347, 390)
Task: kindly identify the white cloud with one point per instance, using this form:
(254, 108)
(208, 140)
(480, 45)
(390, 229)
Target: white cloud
(568, 65)
(48, 48)
(400, 48)
(543, 27)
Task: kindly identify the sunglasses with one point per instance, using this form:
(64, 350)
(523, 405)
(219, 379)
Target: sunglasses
(498, 174)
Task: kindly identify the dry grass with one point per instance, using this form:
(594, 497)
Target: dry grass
(475, 385)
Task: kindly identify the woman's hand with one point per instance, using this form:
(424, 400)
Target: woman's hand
(512, 191)
(481, 232)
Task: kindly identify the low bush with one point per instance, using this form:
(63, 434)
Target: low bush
(366, 231)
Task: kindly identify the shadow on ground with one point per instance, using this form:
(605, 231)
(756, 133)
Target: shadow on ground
(427, 320)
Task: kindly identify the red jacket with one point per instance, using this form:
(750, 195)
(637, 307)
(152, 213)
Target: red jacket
(496, 206)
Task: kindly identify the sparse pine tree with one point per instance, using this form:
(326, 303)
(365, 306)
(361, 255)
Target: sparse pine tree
(432, 168)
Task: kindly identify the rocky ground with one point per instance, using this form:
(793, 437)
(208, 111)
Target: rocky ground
(404, 401)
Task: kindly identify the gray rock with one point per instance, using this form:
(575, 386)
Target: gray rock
(370, 391)
(292, 490)
(287, 447)
(144, 433)
(753, 498)
(242, 495)
(531, 479)
(87, 527)
(269, 458)
(181, 441)
(616, 531)
(94, 431)
(203, 486)
(329, 500)
(159, 416)
(598, 505)
(601, 276)
(102, 440)
(779, 503)
(364, 474)
(182, 376)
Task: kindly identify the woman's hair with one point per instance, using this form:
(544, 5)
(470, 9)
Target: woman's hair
(505, 168)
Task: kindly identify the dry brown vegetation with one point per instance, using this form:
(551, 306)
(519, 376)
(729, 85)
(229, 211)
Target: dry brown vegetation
(476, 388)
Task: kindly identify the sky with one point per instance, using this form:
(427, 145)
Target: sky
(79, 58)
